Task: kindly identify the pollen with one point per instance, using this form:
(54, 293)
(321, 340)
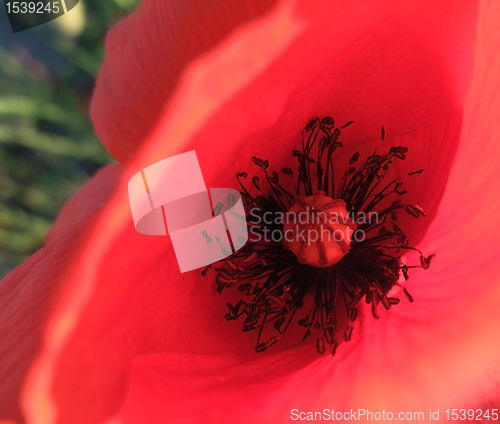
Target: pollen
(318, 230)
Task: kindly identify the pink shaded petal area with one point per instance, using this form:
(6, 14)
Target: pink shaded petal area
(28, 293)
(125, 306)
(26, 297)
(146, 54)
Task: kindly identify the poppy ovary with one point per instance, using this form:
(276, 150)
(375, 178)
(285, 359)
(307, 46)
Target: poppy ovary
(318, 230)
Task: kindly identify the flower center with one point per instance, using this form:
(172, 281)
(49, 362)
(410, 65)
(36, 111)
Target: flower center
(318, 230)
(313, 264)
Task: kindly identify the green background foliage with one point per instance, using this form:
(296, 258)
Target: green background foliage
(48, 147)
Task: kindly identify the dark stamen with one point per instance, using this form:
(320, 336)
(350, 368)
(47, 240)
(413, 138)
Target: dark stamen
(275, 283)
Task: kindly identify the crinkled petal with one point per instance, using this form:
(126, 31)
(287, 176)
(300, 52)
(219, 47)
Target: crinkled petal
(146, 54)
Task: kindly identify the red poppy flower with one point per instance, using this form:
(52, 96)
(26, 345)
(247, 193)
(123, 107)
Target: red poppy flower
(100, 326)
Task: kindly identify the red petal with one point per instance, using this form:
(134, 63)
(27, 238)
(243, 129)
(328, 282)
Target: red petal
(26, 297)
(437, 353)
(146, 54)
(28, 294)
(114, 310)
(408, 73)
